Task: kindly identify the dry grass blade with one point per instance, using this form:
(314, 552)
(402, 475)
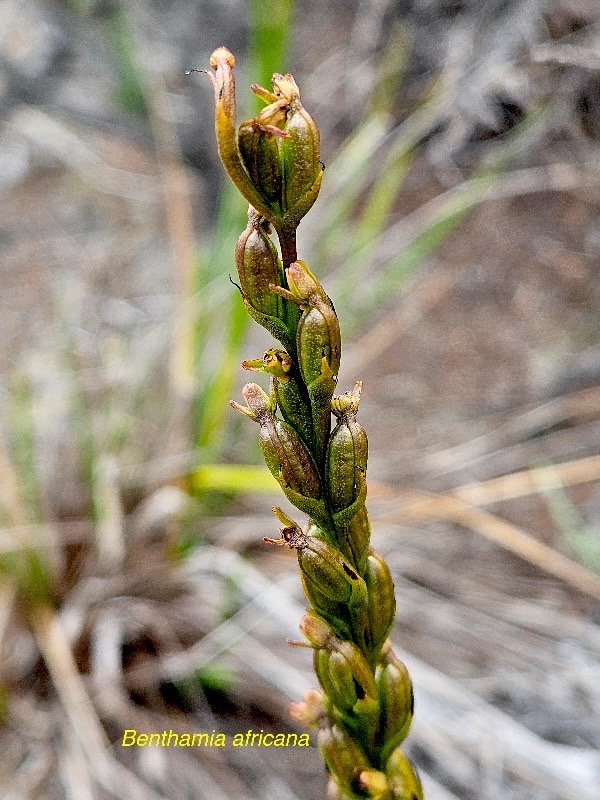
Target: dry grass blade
(464, 722)
(177, 191)
(67, 681)
(422, 506)
(576, 407)
(531, 481)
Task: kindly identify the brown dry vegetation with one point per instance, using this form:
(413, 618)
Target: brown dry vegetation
(481, 400)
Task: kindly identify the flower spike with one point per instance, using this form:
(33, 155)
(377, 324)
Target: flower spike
(365, 708)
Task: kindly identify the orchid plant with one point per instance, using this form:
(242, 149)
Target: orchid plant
(364, 709)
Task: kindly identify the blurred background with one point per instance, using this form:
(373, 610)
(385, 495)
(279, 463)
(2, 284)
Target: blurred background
(457, 233)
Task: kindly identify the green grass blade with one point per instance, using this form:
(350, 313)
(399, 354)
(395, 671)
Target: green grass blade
(233, 478)
(269, 30)
(270, 24)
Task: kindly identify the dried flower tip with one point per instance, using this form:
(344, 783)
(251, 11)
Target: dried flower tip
(348, 402)
(312, 711)
(318, 632)
(222, 63)
(259, 404)
(290, 534)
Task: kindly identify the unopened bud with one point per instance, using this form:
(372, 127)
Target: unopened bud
(396, 701)
(381, 601)
(324, 566)
(258, 266)
(344, 758)
(318, 334)
(357, 533)
(280, 150)
(312, 710)
(335, 678)
(403, 778)
(347, 451)
(285, 454)
(318, 345)
(302, 169)
(258, 144)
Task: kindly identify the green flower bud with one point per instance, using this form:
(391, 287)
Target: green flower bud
(335, 679)
(357, 533)
(284, 452)
(274, 157)
(381, 601)
(396, 700)
(280, 149)
(312, 711)
(300, 149)
(347, 451)
(344, 673)
(258, 145)
(403, 778)
(259, 269)
(344, 758)
(334, 612)
(325, 567)
(323, 332)
(318, 632)
(258, 266)
(332, 574)
(318, 345)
